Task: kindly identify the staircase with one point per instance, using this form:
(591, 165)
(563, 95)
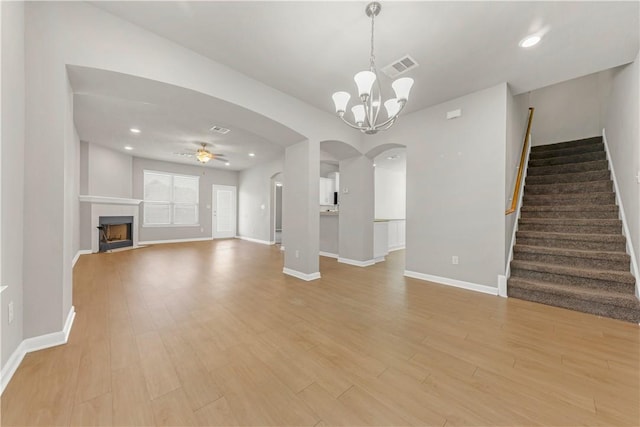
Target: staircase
(570, 251)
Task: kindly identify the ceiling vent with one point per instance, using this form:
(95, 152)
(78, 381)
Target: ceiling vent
(400, 66)
(219, 129)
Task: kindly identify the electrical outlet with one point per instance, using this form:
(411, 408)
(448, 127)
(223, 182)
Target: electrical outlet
(10, 312)
(297, 254)
(454, 259)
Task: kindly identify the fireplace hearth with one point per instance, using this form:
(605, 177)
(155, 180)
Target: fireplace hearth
(115, 232)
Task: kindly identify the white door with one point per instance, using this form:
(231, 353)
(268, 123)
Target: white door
(224, 211)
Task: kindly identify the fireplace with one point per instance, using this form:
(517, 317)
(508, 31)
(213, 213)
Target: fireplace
(115, 232)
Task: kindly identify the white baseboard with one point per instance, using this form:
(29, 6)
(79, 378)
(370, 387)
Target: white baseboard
(161, 242)
(328, 254)
(502, 286)
(357, 263)
(452, 282)
(396, 248)
(378, 259)
(80, 252)
(282, 248)
(625, 226)
(34, 344)
(251, 239)
(300, 275)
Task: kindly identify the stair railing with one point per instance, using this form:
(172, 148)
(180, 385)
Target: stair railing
(525, 145)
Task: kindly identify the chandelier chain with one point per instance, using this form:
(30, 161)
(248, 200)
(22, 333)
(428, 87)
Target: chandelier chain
(372, 57)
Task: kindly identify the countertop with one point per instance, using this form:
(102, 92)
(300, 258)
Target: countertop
(329, 213)
(388, 219)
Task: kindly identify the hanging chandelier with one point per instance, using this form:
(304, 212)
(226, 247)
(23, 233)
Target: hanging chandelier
(366, 114)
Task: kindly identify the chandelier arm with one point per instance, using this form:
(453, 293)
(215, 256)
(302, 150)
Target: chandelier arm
(391, 119)
(351, 124)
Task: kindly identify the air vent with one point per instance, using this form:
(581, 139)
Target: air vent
(400, 66)
(219, 129)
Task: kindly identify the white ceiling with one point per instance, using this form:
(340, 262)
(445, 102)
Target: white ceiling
(311, 49)
(171, 120)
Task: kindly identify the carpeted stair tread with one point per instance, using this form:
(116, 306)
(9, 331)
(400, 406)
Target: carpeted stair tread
(597, 175)
(608, 304)
(621, 299)
(605, 242)
(574, 158)
(568, 151)
(568, 144)
(605, 198)
(570, 188)
(571, 225)
(589, 254)
(622, 277)
(578, 258)
(570, 211)
(567, 168)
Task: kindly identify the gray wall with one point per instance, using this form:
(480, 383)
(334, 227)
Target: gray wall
(278, 208)
(208, 177)
(355, 241)
(12, 170)
(623, 138)
(300, 218)
(109, 172)
(456, 186)
(255, 207)
(570, 110)
(517, 114)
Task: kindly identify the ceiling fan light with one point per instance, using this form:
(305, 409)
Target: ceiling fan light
(392, 106)
(358, 113)
(402, 87)
(341, 99)
(364, 80)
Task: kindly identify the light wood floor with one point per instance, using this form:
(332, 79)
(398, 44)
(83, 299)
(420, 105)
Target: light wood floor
(212, 333)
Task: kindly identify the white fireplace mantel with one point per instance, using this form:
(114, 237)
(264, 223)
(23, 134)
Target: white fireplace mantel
(109, 200)
(111, 206)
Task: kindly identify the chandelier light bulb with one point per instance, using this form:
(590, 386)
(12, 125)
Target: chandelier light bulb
(364, 80)
(392, 106)
(402, 87)
(358, 114)
(341, 99)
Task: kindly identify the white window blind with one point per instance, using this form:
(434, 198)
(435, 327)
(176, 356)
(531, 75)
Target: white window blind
(170, 199)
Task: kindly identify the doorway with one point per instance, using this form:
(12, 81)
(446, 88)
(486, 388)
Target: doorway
(277, 206)
(223, 212)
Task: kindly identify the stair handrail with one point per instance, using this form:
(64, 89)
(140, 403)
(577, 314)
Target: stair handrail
(525, 144)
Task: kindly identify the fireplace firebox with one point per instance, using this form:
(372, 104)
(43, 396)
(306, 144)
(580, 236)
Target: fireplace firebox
(114, 232)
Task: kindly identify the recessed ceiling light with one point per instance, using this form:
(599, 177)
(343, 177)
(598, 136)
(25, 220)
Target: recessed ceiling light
(134, 130)
(530, 41)
(374, 165)
(395, 156)
(227, 164)
(252, 154)
(128, 147)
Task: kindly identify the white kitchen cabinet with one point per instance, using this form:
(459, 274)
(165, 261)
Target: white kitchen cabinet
(326, 191)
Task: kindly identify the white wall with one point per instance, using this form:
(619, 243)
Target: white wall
(12, 169)
(623, 139)
(570, 110)
(109, 172)
(255, 206)
(208, 177)
(517, 114)
(390, 194)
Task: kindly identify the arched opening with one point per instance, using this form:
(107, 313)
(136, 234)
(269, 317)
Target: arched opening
(390, 189)
(276, 185)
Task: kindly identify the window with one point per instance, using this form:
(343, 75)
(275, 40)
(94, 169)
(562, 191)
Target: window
(170, 199)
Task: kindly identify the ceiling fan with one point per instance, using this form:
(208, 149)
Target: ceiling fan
(203, 155)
